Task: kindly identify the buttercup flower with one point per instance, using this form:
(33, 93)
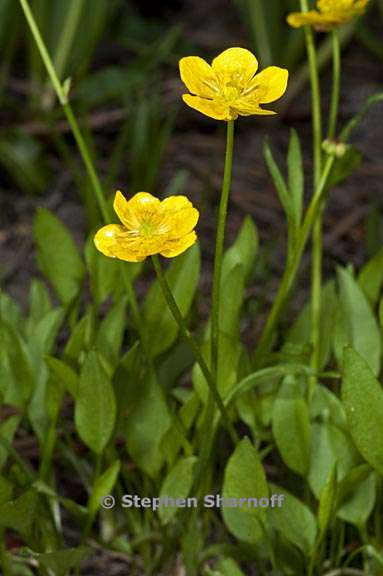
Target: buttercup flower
(329, 14)
(148, 227)
(230, 86)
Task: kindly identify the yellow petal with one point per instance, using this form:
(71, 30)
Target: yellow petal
(181, 215)
(270, 84)
(212, 108)
(316, 19)
(334, 6)
(198, 76)
(236, 60)
(114, 241)
(246, 108)
(122, 208)
(175, 247)
(132, 212)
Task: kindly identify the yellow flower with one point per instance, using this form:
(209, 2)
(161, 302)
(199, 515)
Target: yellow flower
(230, 86)
(148, 227)
(329, 14)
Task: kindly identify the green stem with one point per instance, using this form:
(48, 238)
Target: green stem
(85, 154)
(317, 250)
(173, 307)
(334, 107)
(219, 245)
(316, 270)
(289, 276)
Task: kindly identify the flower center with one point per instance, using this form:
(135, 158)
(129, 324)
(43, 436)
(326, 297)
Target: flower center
(148, 228)
(232, 85)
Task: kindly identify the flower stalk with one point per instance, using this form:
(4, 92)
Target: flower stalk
(316, 268)
(333, 117)
(174, 309)
(219, 246)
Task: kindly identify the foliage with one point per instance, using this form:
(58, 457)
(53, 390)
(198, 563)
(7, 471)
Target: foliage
(119, 396)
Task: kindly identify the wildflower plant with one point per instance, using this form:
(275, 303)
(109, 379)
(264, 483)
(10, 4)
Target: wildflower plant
(140, 402)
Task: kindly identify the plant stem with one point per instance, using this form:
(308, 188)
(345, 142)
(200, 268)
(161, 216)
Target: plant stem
(333, 116)
(84, 151)
(173, 307)
(291, 271)
(317, 251)
(219, 245)
(316, 269)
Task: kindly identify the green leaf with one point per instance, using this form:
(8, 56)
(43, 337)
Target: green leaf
(243, 251)
(294, 520)
(327, 500)
(81, 338)
(146, 424)
(278, 180)
(103, 486)
(182, 275)
(329, 446)
(43, 334)
(39, 301)
(228, 567)
(291, 426)
(362, 397)
(111, 332)
(177, 484)
(356, 324)
(299, 334)
(64, 374)
(356, 495)
(16, 375)
(104, 272)
(10, 313)
(295, 176)
(8, 429)
(95, 409)
(325, 406)
(20, 514)
(61, 562)
(371, 278)
(229, 342)
(6, 490)
(58, 256)
(244, 478)
(263, 377)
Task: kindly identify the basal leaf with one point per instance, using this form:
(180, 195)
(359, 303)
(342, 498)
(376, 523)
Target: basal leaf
(356, 325)
(244, 478)
(291, 426)
(58, 255)
(362, 398)
(177, 484)
(95, 409)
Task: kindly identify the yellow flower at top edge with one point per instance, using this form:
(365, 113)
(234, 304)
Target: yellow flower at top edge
(329, 14)
(230, 86)
(148, 226)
